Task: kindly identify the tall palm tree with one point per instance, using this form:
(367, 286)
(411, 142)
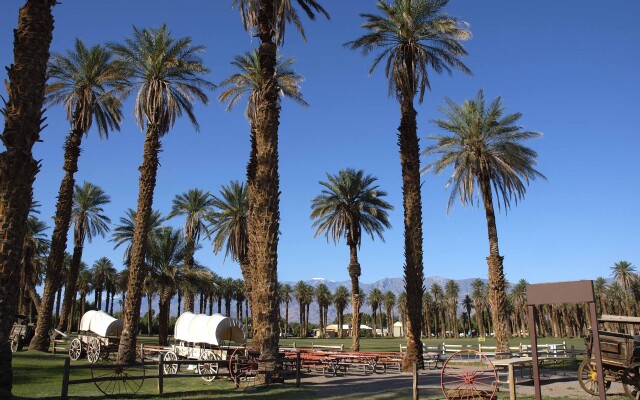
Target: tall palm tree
(228, 226)
(34, 260)
(194, 205)
(84, 285)
(478, 295)
(349, 204)
(101, 271)
(22, 125)
(340, 301)
(82, 81)
(518, 298)
(438, 303)
(427, 309)
(375, 298)
(451, 290)
(402, 311)
(412, 36)
(389, 304)
(323, 298)
(467, 303)
(89, 221)
(624, 273)
(268, 19)
(484, 148)
(123, 232)
(167, 74)
(285, 296)
(250, 82)
(299, 292)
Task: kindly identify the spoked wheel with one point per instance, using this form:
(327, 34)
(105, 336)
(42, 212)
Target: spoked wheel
(113, 378)
(588, 378)
(208, 369)
(75, 349)
(170, 369)
(93, 350)
(243, 367)
(468, 374)
(16, 344)
(631, 381)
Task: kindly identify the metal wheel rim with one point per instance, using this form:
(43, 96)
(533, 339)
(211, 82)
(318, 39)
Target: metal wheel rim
(122, 379)
(208, 368)
(470, 375)
(631, 381)
(170, 369)
(75, 349)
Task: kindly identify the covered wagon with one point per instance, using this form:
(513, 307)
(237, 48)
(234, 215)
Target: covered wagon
(202, 337)
(99, 335)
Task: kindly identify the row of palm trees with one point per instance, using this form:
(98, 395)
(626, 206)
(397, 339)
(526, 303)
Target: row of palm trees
(412, 37)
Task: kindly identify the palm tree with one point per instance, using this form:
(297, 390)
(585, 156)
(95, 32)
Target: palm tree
(438, 303)
(323, 297)
(299, 292)
(268, 20)
(389, 304)
(194, 205)
(624, 273)
(84, 285)
(22, 125)
(285, 296)
(402, 310)
(89, 221)
(427, 309)
(34, 259)
(82, 82)
(518, 300)
(123, 233)
(412, 36)
(228, 225)
(451, 290)
(478, 295)
(101, 270)
(340, 301)
(349, 205)
(167, 73)
(467, 303)
(375, 298)
(485, 149)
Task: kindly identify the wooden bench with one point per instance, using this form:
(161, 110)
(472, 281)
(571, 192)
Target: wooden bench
(431, 355)
(321, 347)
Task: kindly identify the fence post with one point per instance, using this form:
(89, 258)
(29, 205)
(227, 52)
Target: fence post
(298, 369)
(160, 373)
(416, 395)
(142, 352)
(65, 379)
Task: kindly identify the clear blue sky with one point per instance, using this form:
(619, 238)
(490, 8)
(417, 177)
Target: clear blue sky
(570, 67)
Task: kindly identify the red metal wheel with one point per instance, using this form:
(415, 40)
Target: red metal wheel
(468, 374)
(243, 367)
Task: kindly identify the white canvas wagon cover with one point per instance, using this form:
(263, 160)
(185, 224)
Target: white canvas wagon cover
(214, 329)
(101, 323)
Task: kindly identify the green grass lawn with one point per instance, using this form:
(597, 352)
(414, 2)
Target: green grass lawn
(39, 375)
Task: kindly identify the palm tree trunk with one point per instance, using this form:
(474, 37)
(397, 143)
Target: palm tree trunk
(286, 317)
(72, 277)
(59, 242)
(413, 270)
(190, 247)
(149, 310)
(163, 321)
(137, 267)
(23, 119)
(497, 281)
(58, 301)
(180, 301)
(264, 214)
(354, 274)
(373, 320)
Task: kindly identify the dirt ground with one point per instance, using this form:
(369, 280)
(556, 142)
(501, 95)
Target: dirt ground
(395, 385)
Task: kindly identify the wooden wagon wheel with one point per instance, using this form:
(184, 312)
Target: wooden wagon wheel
(243, 367)
(93, 350)
(16, 344)
(170, 369)
(75, 349)
(588, 378)
(631, 381)
(208, 368)
(468, 374)
(113, 378)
